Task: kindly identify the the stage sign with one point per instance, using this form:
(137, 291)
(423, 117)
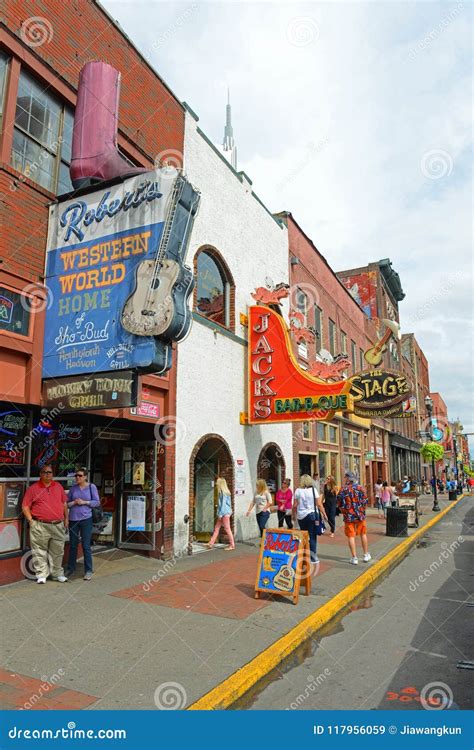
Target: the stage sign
(379, 393)
(279, 390)
(283, 563)
(107, 390)
(110, 255)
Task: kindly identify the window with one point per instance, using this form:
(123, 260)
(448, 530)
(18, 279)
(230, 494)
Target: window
(343, 343)
(355, 440)
(3, 80)
(322, 432)
(318, 325)
(212, 289)
(332, 337)
(361, 359)
(307, 431)
(14, 316)
(302, 303)
(332, 434)
(353, 356)
(42, 137)
(346, 438)
(322, 463)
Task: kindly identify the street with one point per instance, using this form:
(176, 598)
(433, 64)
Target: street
(407, 633)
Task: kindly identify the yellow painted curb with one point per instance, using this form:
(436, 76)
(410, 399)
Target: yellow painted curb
(235, 686)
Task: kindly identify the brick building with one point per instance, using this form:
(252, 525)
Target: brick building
(40, 62)
(377, 290)
(348, 442)
(442, 434)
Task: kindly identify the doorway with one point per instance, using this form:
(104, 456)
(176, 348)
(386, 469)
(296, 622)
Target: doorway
(271, 466)
(210, 460)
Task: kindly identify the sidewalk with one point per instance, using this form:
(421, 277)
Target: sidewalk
(145, 634)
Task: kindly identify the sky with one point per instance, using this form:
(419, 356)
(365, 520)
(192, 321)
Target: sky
(356, 117)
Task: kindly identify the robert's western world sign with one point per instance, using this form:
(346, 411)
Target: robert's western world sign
(106, 252)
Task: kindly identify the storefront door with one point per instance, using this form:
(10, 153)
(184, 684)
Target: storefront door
(205, 499)
(138, 496)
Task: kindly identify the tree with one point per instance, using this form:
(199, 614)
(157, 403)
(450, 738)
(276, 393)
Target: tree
(432, 452)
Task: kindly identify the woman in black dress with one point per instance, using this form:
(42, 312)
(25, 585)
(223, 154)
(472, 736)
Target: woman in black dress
(330, 502)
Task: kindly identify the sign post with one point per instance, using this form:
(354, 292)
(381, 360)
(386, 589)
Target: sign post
(283, 563)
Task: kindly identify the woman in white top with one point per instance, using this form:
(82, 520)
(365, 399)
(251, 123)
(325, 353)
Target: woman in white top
(262, 501)
(307, 504)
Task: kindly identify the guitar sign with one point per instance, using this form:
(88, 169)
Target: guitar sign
(158, 305)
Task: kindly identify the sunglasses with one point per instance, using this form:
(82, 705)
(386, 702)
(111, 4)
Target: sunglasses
(78, 475)
(46, 472)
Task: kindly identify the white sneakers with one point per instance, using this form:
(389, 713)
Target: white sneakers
(60, 579)
(367, 558)
(41, 580)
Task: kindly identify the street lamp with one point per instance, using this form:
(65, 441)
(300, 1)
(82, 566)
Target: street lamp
(429, 409)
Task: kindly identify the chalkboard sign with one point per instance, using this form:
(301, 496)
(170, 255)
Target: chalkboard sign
(283, 563)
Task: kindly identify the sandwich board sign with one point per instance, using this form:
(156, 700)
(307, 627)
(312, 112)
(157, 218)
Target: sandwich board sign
(283, 563)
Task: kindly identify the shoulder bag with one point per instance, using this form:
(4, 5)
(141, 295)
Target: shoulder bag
(97, 512)
(318, 521)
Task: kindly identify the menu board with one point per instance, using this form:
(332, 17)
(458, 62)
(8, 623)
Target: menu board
(283, 563)
(13, 425)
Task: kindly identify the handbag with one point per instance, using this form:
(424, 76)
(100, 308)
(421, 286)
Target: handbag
(319, 524)
(97, 512)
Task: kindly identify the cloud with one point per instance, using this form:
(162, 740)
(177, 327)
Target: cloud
(354, 117)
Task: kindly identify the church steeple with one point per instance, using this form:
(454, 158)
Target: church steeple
(228, 144)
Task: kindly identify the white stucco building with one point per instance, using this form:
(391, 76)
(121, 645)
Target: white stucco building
(236, 245)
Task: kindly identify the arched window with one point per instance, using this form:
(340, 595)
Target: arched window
(214, 293)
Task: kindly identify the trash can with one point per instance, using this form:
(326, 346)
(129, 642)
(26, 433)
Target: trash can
(410, 504)
(397, 522)
(452, 495)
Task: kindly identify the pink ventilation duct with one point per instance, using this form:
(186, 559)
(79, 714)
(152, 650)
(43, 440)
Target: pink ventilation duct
(95, 156)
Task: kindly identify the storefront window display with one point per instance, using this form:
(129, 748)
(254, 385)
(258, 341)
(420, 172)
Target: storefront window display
(14, 424)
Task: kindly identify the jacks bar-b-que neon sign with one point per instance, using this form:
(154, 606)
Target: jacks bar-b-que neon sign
(279, 390)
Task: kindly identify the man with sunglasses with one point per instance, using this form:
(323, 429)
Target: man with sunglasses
(45, 508)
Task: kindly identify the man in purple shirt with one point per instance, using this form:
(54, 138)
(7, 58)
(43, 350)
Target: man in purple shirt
(83, 496)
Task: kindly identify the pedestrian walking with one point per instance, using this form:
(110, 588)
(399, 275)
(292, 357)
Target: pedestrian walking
(393, 496)
(224, 512)
(330, 502)
(262, 502)
(352, 500)
(378, 492)
(82, 497)
(316, 482)
(284, 504)
(45, 508)
(308, 509)
(385, 498)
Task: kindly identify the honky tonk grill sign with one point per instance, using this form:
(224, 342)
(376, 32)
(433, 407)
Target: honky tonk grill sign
(100, 391)
(279, 390)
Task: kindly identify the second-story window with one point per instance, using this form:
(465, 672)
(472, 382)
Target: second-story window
(332, 337)
(302, 304)
(42, 136)
(354, 356)
(3, 80)
(318, 326)
(213, 288)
